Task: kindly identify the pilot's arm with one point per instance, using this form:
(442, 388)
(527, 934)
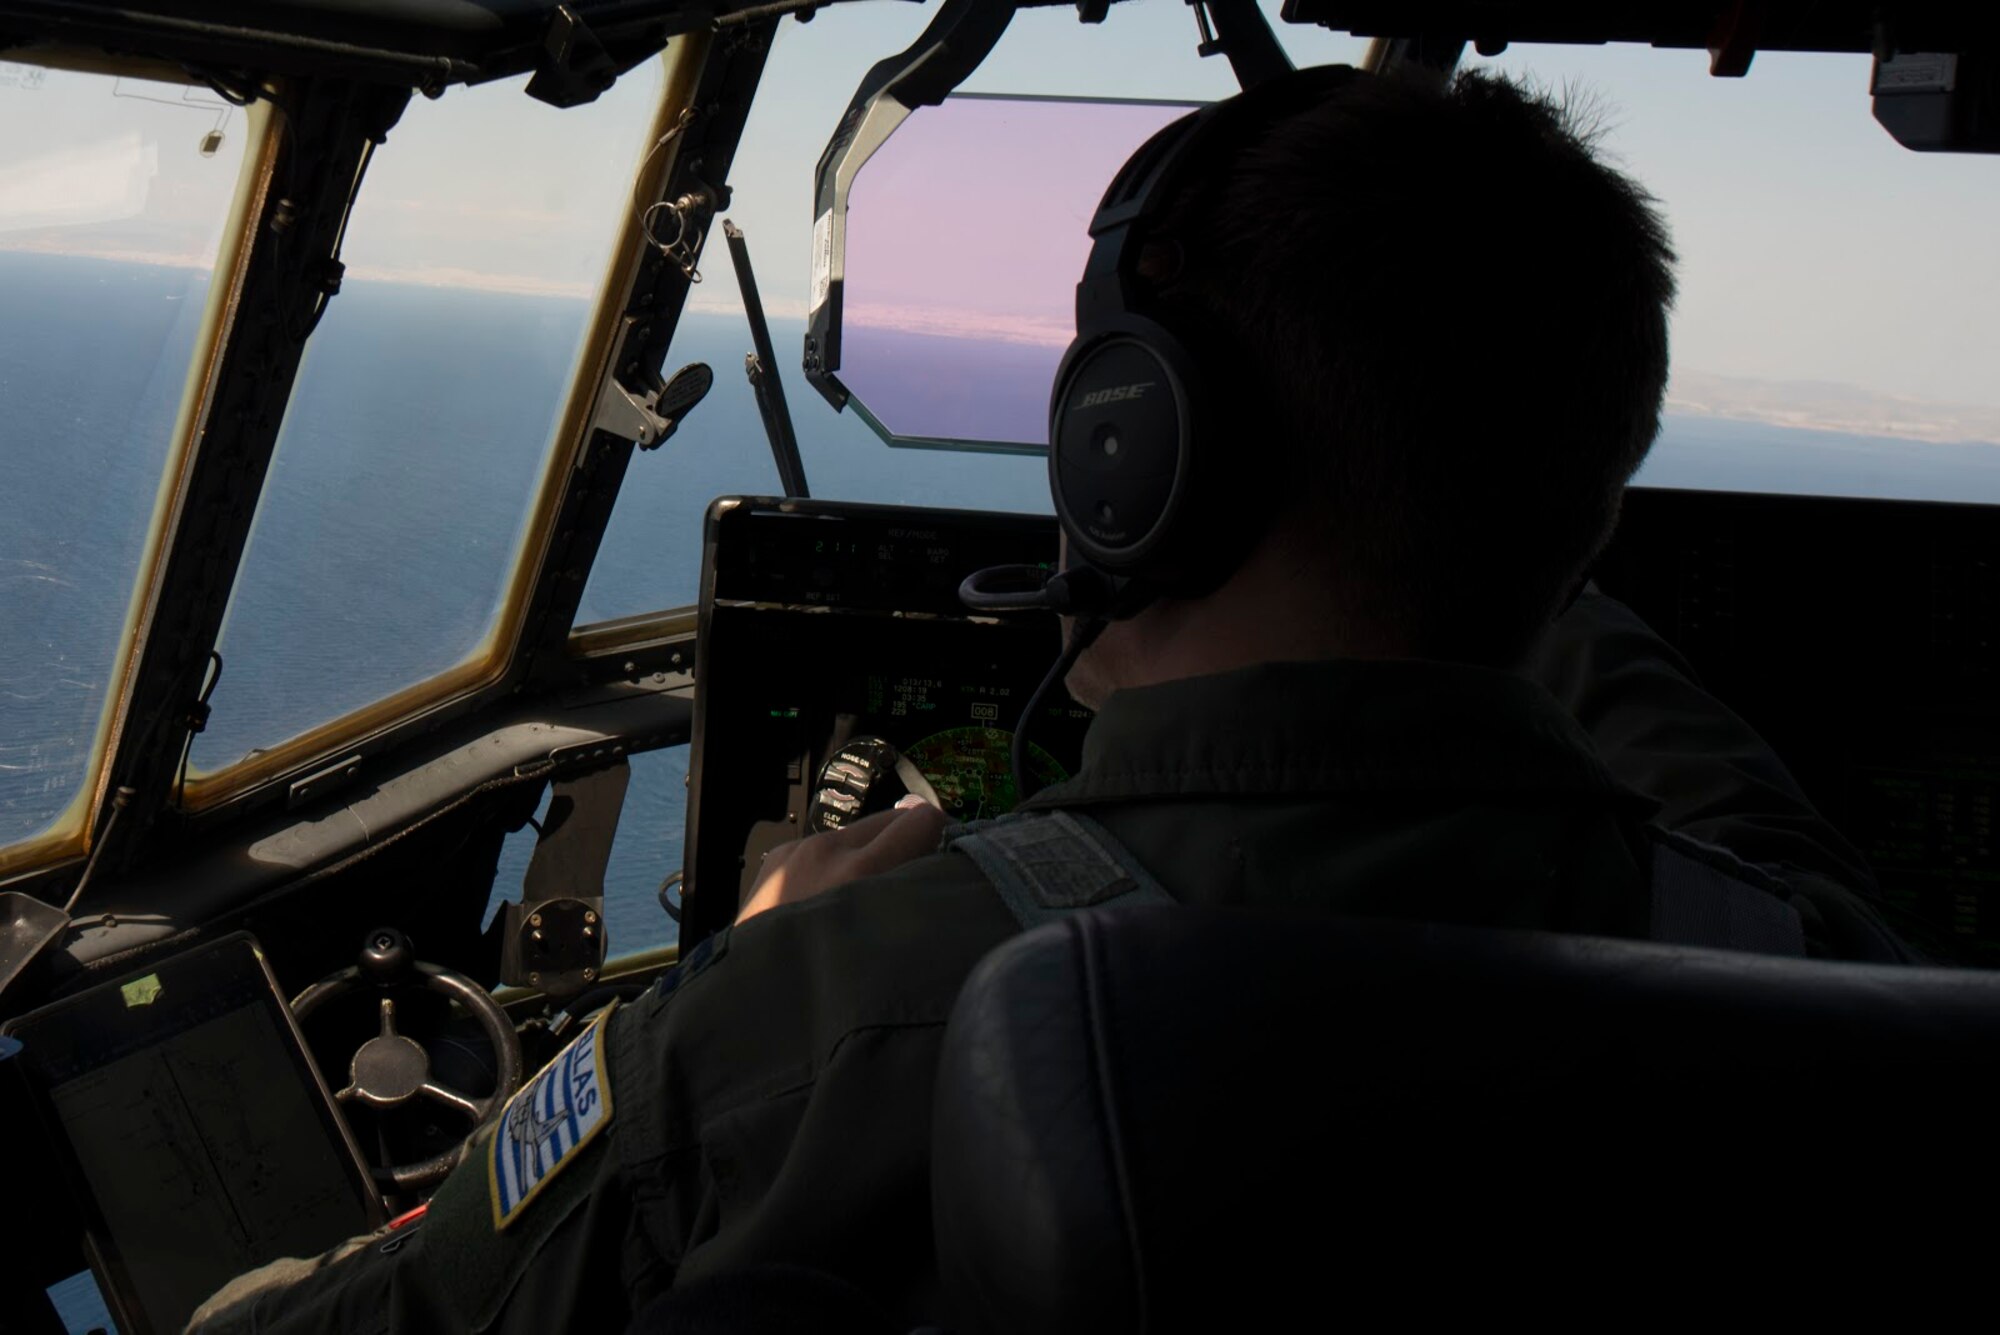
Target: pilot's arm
(1715, 779)
(566, 1259)
(790, 1032)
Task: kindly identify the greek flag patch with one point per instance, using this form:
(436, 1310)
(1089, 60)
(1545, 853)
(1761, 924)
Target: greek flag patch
(548, 1121)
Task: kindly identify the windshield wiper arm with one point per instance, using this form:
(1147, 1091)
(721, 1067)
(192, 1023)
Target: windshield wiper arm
(762, 368)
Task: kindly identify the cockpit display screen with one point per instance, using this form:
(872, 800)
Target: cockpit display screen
(836, 671)
(203, 1141)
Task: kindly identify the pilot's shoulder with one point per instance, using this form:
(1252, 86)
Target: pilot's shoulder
(762, 1010)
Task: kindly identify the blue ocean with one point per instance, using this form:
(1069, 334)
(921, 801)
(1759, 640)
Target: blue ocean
(395, 506)
(388, 524)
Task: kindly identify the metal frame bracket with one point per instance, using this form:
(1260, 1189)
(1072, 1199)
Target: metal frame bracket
(554, 937)
(630, 416)
(649, 419)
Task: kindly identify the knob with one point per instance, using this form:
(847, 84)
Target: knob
(387, 957)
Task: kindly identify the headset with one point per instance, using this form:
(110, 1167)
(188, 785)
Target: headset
(1151, 481)
(1154, 484)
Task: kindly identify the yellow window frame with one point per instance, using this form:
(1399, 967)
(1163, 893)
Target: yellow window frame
(69, 836)
(685, 57)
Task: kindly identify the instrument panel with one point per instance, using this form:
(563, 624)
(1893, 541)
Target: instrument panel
(1862, 639)
(828, 630)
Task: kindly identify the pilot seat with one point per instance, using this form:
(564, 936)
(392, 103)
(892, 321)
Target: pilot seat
(1163, 1119)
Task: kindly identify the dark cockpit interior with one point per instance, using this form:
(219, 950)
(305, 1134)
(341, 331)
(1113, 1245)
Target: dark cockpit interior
(250, 1008)
(1866, 660)
(902, 678)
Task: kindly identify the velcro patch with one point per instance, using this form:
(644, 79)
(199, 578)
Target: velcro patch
(548, 1121)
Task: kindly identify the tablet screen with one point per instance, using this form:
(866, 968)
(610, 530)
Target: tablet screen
(204, 1142)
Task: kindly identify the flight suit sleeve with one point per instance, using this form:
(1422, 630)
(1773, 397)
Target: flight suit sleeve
(538, 1241)
(1715, 779)
(768, 1105)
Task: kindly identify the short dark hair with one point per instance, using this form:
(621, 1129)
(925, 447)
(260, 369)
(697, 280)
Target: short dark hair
(1461, 315)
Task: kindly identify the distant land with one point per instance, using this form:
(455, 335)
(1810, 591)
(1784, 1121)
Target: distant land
(1820, 405)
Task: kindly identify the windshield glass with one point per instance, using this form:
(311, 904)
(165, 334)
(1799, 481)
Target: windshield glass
(1834, 333)
(965, 236)
(651, 555)
(420, 426)
(114, 195)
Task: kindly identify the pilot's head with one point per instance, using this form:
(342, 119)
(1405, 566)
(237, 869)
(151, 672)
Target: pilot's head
(1428, 333)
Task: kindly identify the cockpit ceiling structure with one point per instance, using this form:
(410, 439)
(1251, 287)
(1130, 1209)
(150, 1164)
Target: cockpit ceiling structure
(578, 49)
(1714, 25)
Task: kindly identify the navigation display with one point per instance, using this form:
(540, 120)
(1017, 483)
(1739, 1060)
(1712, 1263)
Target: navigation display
(837, 670)
(205, 1142)
(958, 733)
(971, 769)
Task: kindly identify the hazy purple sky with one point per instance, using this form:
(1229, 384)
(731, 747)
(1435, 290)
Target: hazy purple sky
(978, 213)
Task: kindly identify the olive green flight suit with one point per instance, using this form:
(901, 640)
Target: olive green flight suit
(771, 1099)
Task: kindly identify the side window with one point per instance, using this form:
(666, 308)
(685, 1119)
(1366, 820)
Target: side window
(1833, 334)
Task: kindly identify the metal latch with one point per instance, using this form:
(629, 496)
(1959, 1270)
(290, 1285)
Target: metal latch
(647, 419)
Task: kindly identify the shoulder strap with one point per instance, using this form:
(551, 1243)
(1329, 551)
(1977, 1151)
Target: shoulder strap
(1706, 896)
(1049, 863)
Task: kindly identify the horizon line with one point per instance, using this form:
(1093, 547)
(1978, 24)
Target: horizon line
(1693, 394)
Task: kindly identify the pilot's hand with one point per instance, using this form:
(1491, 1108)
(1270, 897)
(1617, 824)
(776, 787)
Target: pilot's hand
(807, 867)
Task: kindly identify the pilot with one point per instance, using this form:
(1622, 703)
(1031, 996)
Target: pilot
(1431, 329)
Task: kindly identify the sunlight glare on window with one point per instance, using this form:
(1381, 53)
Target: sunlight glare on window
(114, 193)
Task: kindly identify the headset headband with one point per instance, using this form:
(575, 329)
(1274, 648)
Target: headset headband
(1140, 463)
(1151, 179)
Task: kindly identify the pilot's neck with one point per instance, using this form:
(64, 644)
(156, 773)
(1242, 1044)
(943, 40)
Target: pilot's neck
(1274, 609)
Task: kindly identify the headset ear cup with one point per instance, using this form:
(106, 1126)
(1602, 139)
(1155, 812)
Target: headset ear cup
(1188, 502)
(1121, 441)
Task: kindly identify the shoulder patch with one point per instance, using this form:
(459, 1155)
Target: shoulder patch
(547, 1121)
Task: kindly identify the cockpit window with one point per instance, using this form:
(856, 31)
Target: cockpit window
(1835, 333)
(421, 426)
(651, 554)
(965, 235)
(115, 194)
